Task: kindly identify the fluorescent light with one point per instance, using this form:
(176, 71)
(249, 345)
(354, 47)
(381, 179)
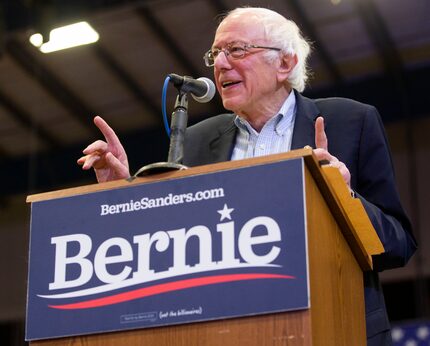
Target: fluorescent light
(66, 37)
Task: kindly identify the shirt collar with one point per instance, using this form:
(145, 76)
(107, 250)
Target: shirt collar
(281, 121)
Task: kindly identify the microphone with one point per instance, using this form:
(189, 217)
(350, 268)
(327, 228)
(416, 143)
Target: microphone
(201, 89)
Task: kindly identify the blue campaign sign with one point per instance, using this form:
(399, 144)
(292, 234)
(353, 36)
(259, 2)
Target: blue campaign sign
(219, 245)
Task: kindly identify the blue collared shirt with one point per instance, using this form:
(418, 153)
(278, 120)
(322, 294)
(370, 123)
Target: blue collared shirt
(274, 137)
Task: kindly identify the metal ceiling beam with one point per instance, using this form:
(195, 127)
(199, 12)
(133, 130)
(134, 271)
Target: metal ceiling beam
(127, 80)
(49, 81)
(171, 46)
(25, 120)
(382, 40)
(311, 33)
(169, 42)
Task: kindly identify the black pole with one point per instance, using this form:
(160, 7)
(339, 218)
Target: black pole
(178, 126)
(177, 129)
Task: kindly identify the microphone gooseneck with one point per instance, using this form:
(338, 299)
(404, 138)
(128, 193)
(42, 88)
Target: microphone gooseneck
(202, 90)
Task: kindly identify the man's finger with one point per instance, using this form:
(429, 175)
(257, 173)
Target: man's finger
(322, 154)
(88, 161)
(320, 136)
(121, 171)
(108, 133)
(81, 160)
(96, 147)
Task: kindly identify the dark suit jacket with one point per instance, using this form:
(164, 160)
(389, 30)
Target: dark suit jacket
(356, 137)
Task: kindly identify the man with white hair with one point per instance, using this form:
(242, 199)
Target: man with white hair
(260, 67)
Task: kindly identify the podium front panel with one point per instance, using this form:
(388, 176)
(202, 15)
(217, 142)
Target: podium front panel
(210, 246)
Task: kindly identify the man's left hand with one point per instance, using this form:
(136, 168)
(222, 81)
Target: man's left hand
(321, 151)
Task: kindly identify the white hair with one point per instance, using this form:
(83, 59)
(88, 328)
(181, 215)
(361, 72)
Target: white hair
(284, 34)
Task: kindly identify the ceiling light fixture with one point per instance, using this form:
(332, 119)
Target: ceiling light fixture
(65, 37)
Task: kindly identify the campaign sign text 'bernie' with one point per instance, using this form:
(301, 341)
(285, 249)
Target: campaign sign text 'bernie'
(219, 245)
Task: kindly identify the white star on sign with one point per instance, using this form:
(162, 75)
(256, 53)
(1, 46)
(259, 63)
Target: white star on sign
(225, 212)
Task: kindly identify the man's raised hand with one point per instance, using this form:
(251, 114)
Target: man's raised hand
(108, 158)
(322, 154)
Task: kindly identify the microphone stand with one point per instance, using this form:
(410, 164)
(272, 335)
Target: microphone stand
(177, 130)
(178, 127)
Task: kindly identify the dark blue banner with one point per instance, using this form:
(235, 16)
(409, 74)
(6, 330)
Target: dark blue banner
(224, 244)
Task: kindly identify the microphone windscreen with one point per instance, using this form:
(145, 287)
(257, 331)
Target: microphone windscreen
(210, 93)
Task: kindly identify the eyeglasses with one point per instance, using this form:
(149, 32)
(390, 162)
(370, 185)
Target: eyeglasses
(236, 50)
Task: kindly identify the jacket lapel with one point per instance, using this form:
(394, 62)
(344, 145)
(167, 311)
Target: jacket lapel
(222, 145)
(304, 124)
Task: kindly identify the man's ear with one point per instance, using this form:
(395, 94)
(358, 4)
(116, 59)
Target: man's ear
(286, 65)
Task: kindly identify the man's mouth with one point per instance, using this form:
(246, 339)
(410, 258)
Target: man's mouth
(229, 83)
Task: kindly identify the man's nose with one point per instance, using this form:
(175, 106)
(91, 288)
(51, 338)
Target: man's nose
(221, 61)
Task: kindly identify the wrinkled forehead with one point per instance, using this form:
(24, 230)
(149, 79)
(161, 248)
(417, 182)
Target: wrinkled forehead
(241, 28)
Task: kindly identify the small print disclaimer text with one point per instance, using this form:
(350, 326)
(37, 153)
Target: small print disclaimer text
(139, 317)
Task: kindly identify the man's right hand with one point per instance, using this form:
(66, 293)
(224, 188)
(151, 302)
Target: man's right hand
(108, 158)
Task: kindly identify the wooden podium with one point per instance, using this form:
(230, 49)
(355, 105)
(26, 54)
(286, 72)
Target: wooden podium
(341, 241)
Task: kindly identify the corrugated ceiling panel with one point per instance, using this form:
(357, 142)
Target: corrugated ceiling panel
(91, 81)
(142, 56)
(319, 11)
(42, 107)
(407, 21)
(21, 142)
(194, 34)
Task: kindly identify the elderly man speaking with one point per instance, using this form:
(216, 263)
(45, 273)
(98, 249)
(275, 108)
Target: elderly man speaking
(260, 67)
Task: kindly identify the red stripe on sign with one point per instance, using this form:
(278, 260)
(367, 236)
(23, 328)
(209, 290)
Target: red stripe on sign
(167, 287)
